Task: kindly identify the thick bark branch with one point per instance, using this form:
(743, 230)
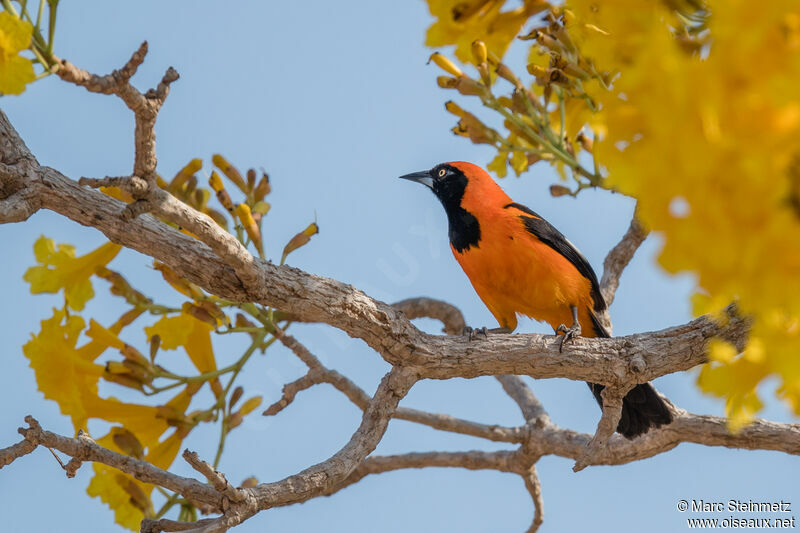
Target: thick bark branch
(316, 299)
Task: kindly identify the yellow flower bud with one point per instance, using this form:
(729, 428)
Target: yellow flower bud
(230, 171)
(127, 442)
(560, 33)
(479, 52)
(222, 195)
(185, 173)
(446, 82)
(138, 498)
(585, 142)
(132, 354)
(454, 108)
(506, 73)
(155, 344)
(244, 214)
(469, 87)
(445, 64)
(215, 181)
(250, 226)
(237, 394)
(250, 405)
(262, 189)
(199, 313)
(538, 71)
(521, 105)
(559, 190)
(299, 240)
(126, 380)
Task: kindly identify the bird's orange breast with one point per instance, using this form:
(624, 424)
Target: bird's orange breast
(514, 272)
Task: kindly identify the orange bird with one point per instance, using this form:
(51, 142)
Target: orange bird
(520, 264)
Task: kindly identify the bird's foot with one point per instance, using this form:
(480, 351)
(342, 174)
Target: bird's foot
(474, 333)
(569, 333)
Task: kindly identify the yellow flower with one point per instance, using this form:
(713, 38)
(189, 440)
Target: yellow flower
(693, 137)
(15, 70)
(128, 498)
(460, 23)
(61, 374)
(60, 269)
(195, 336)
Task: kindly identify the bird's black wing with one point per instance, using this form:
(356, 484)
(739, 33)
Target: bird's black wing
(545, 232)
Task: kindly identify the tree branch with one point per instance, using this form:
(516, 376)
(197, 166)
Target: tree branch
(534, 487)
(315, 480)
(318, 374)
(449, 315)
(15, 451)
(84, 449)
(619, 257)
(502, 461)
(612, 411)
(528, 403)
(144, 106)
(216, 479)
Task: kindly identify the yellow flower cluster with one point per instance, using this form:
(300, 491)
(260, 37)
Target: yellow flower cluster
(66, 353)
(705, 133)
(461, 22)
(67, 369)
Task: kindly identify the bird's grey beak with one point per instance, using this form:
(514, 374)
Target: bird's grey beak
(423, 177)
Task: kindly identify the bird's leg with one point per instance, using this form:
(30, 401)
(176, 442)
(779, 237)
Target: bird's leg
(569, 332)
(473, 333)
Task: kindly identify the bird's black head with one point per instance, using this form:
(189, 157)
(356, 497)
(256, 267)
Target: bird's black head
(448, 183)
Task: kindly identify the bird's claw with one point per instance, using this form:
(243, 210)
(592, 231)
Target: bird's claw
(569, 334)
(473, 333)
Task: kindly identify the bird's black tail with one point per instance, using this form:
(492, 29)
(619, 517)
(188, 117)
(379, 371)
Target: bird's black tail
(642, 407)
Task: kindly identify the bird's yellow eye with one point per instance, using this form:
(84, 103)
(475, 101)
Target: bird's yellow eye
(442, 173)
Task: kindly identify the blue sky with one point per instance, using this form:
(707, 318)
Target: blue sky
(335, 100)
